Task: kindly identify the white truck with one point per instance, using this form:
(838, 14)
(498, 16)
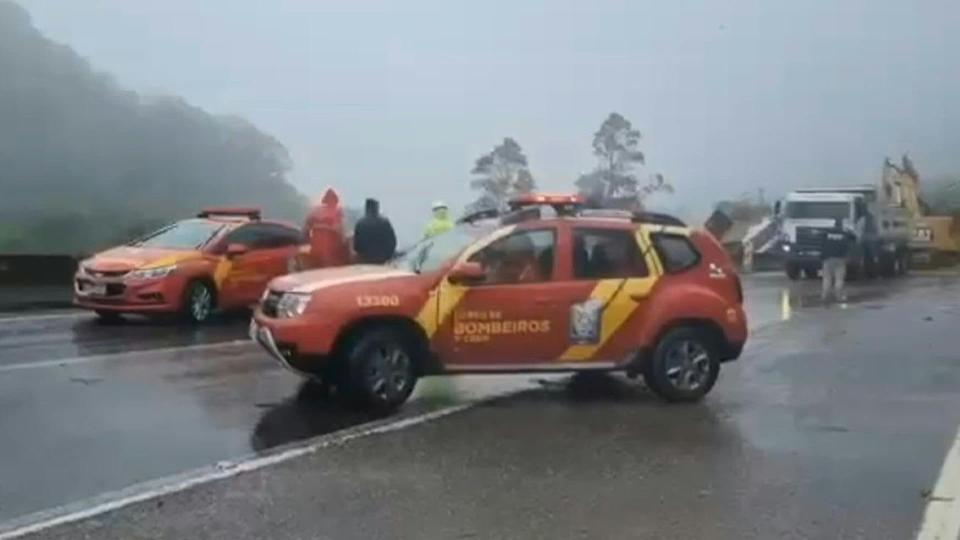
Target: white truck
(877, 216)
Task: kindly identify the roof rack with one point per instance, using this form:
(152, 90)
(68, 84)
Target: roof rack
(250, 212)
(527, 207)
(486, 213)
(505, 217)
(656, 218)
(521, 215)
(606, 213)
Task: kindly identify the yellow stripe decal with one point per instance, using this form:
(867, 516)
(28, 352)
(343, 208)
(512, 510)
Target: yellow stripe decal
(444, 298)
(618, 310)
(170, 260)
(439, 305)
(621, 307)
(221, 271)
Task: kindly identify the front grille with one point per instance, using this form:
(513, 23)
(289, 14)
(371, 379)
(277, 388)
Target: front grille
(269, 305)
(115, 289)
(110, 289)
(106, 273)
(810, 236)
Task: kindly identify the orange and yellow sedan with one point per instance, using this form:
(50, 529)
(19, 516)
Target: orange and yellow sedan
(220, 260)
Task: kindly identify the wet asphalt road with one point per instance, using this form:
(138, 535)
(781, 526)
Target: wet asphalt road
(71, 334)
(821, 431)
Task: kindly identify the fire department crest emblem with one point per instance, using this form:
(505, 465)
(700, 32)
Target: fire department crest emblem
(585, 320)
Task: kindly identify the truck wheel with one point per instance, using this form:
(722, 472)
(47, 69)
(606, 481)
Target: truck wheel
(888, 266)
(869, 266)
(904, 264)
(380, 370)
(793, 272)
(198, 302)
(684, 366)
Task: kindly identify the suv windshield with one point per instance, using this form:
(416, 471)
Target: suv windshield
(818, 210)
(430, 254)
(189, 234)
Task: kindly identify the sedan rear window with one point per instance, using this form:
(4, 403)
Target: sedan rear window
(676, 252)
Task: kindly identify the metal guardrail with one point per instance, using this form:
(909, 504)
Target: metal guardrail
(37, 269)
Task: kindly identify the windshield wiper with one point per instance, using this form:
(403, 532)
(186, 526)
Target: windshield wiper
(421, 258)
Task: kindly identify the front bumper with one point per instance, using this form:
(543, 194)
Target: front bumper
(734, 334)
(162, 295)
(264, 338)
(801, 254)
(297, 345)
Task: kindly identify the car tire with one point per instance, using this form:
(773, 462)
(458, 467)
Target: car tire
(793, 272)
(810, 273)
(198, 302)
(108, 317)
(904, 264)
(684, 365)
(379, 370)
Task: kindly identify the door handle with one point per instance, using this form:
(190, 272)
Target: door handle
(544, 301)
(638, 297)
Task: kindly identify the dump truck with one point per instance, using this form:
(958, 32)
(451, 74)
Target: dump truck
(882, 217)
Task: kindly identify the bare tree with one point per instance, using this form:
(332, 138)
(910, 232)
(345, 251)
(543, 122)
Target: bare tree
(501, 174)
(614, 182)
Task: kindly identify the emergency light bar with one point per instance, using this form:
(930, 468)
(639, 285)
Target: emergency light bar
(528, 199)
(563, 205)
(240, 211)
(531, 199)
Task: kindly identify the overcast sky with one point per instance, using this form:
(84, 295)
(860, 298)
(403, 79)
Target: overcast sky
(378, 97)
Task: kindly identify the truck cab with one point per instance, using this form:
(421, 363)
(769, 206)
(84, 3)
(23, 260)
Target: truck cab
(882, 231)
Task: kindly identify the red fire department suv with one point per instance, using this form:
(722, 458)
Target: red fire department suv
(533, 290)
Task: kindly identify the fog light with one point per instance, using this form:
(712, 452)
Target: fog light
(152, 297)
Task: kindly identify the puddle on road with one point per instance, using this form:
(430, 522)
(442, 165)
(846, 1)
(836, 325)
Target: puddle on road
(780, 304)
(309, 413)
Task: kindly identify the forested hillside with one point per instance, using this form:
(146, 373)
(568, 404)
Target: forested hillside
(85, 163)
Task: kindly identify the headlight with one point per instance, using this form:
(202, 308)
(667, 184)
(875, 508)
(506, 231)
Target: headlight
(786, 247)
(151, 273)
(292, 305)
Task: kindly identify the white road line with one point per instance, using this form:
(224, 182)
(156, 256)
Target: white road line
(72, 513)
(941, 520)
(48, 316)
(110, 356)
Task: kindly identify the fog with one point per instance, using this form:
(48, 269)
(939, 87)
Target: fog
(397, 99)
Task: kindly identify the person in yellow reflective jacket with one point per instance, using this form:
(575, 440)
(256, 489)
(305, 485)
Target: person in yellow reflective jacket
(440, 222)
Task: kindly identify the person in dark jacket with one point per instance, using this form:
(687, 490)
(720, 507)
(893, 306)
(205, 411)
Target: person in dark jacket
(836, 248)
(373, 238)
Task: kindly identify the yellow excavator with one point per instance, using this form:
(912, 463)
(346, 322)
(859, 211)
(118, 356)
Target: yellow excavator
(936, 239)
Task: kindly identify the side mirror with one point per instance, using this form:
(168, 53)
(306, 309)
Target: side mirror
(776, 208)
(234, 250)
(467, 272)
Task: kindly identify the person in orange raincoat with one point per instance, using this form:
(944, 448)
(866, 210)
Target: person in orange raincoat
(325, 233)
